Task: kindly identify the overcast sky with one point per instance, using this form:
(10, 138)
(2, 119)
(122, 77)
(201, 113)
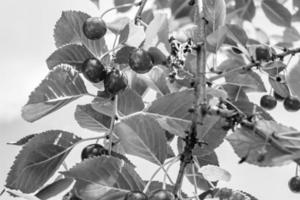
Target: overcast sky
(26, 42)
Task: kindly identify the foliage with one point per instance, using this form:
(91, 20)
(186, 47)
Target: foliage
(168, 57)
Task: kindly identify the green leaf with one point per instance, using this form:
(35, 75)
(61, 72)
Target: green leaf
(277, 13)
(132, 35)
(61, 86)
(68, 30)
(39, 159)
(293, 80)
(235, 93)
(210, 159)
(227, 193)
(217, 37)
(130, 102)
(157, 33)
(174, 126)
(141, 135)
(104, 178)
(122, 2)
(215, 12)
(89, 118)
(23, 140)
(54, 188)
(72, 54)
(247, 7)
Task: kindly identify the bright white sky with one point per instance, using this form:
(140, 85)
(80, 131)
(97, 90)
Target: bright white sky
(26, 42)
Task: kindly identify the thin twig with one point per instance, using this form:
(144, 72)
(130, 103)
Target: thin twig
(120, 6)
(112, 123)
(251, 65)
(138, 15)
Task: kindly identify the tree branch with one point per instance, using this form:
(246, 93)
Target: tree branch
(199, 98)
(138, 15)
(254, 64)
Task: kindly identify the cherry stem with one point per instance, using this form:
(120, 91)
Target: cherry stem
(138, 15)
(120, 6)
(155, 173)
(112, 123)
(195, 181)
(297, 169)
(254, 64)
(199, 96)
(167, 169)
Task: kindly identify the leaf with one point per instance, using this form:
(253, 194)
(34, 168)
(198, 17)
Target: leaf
(293, 80)
(237, 34)
(246, 143)
(68, 30)
(157, 33)
(216, 38)
(96, 2)
(227, 193)
(210, 159)
(122, 2)
(104, 178)
(89, 118)
(280, 87)
(214, 173)
(276, 13)
(274, 68)
(250, 81)
(291, 35)
(247, 9)
(250, 108)
(54, 188)
(174, 126)
(147, 16)
(118, 24)
(132, 35)
(142, 136)
(181, 102)
(262, 36)
(39, 159)
(23, 140)
(215, 12)
(72, 54)
(130, 102)
(235, 93)
(61, 86)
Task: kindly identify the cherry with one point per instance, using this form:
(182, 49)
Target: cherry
(294, 184)
(115, 81)
(262, 53)
(93, 150)
(140, 61)
(162, 195)
(94, 28)
(135, 195)
(93, 70)
(278, 97)
(268, 102)
(291, 104)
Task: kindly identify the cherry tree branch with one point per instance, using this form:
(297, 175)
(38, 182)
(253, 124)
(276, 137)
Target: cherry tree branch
(254, 64)
(198, 112)
(138, 15)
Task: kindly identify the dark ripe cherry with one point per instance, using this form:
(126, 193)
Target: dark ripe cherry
(291, 104)
(277, 96)
(135, 195)
(94, 28)
(262, 53)
(140, 61)
(268, 102)
(162, 195)
(93, 70)
(93, 150)
(294, 184)
(115, 81)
